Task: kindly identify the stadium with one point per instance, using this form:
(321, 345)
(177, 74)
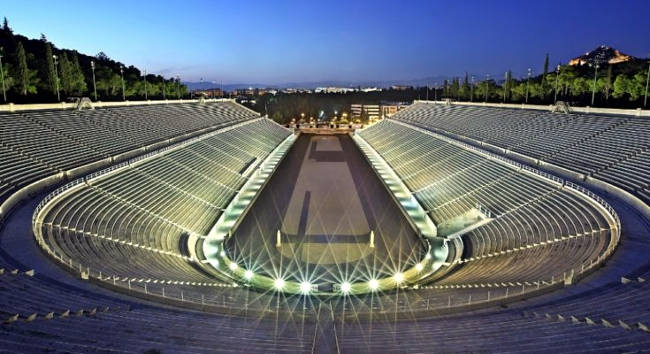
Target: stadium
(427, 222)
(318, 183)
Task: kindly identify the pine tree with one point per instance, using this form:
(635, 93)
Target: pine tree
(23, 71)
(50, 70)
(65, 74)
(77, 78)
(5, 26)
(545, 73)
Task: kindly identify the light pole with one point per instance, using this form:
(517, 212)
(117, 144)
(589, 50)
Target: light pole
(557, 75)
(123, 88)
(2, 76)
(92, 66)
(593, 89)
(530, 71)
(146, 97)
(471, 90)
(505, 87)
(487, 86)
(56, 78)
(178, 87)
(647, 80)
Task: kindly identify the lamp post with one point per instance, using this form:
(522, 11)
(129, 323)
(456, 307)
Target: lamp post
(557, 75)
(593, 88)
(178, 87)
(487, 86)
(92, 66)
(505, 87)
(56, 78)
(530, 71)
(123, 87)
(471, 90)
(146, 97)
(2, 77)
(647, 80)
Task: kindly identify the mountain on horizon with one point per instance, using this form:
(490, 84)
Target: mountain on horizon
(601, 55)
(431, 81)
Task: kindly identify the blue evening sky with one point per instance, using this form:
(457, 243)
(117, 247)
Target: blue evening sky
(287, 41)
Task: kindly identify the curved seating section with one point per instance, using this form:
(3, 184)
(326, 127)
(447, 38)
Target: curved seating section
(539, 229)
(535, 222)
(615, 149)
(131, 223)
(37, 144)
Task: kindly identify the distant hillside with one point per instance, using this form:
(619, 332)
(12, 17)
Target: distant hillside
(34, 68)
(602, 55)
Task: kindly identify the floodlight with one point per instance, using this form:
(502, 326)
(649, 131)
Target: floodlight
(305, 287)
(419, 267)
(373, 284)
(233, 266)
(399, 277)
(278, 283)
(345, 287)
(248, 274)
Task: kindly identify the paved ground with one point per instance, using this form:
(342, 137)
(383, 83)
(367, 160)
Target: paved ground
(325, 200)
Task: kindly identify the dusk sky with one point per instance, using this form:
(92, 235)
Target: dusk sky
(274, 42)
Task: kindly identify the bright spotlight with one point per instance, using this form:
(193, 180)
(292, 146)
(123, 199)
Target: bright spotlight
(428, 256)
(373, 284)
(399, 277)
(279, 283)
(233, 266)
(248, 274)
(419, 267)
(345, 287)
(222, 253)
(305, 287)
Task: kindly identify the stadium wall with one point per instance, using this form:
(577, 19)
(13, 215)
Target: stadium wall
(10, 107)
(588, 110)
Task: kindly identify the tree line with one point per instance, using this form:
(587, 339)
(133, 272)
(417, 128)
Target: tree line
(36, 71)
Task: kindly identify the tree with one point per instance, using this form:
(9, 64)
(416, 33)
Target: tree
(8, 77)
(65, 74)
(26, 79)
(545, 73)
(621, 86)
(50, 74)
(5, 26)
(77, 79)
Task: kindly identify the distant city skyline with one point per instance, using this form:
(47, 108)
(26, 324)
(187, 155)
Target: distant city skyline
(274, 43)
